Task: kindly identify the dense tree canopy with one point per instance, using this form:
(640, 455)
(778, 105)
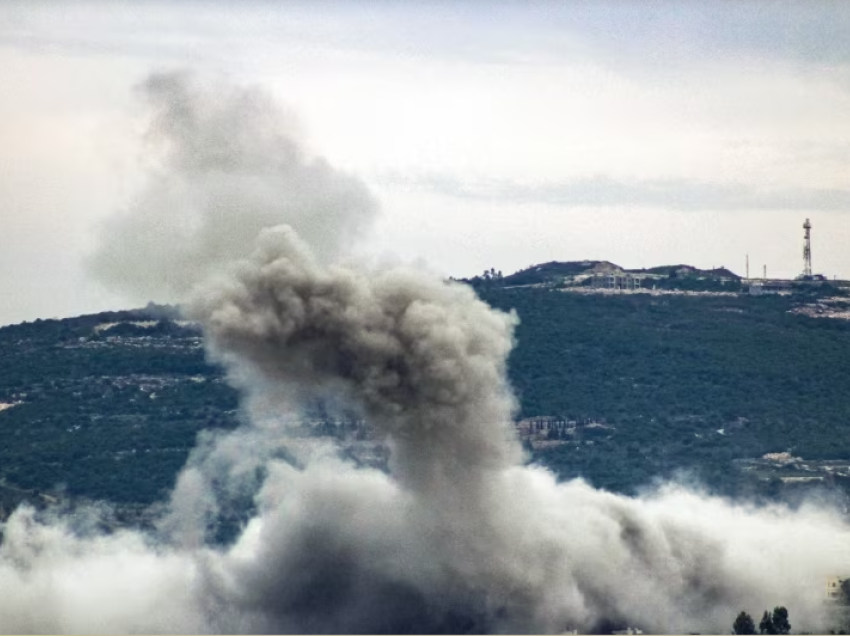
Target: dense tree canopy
(683, 382)
(109, 405)
(744, 624)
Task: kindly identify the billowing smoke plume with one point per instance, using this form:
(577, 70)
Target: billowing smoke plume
(457, 536)
(226, 163)
(425, 360)
(461, 536)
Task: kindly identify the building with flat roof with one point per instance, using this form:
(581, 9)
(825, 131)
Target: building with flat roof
(833, 588)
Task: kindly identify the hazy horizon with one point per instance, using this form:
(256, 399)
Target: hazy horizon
(490, 134)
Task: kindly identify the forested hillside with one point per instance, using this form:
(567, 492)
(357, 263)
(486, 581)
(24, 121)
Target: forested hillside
(108, 406)
(105, 408)
(681, 381)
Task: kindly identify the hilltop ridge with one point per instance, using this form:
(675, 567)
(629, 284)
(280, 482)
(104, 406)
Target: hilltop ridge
(578, 271)
(682, 277)
(639, 386)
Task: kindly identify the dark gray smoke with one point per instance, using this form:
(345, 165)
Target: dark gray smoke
(459, 535)
(225, 162)
(425, 360)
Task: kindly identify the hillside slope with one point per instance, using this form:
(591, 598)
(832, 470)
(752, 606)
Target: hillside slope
(105, 406)
(681, 381)
(636, 386)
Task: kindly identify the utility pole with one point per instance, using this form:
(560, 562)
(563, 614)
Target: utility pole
(748, 267)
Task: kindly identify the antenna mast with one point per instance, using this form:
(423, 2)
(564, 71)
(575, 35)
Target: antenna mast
(807, 249)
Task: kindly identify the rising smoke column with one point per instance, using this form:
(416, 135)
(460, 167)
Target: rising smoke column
(460, 535)
(223, 162)
(426, 360)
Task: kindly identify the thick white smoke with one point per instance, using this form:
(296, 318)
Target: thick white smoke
(458, 536)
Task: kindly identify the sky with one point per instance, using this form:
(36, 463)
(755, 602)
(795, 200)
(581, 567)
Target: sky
(492, 134)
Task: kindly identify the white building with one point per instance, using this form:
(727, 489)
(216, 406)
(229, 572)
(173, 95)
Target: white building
(833, 588)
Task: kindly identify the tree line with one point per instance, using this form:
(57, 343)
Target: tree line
(771, 623)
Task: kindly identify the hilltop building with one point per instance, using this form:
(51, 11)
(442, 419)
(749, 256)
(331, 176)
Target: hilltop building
(760, 287)
(617, 280)
(833, 588)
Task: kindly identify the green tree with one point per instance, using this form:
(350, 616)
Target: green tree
(844, 595)
(766, 625)
(780, 621)
(744, 624)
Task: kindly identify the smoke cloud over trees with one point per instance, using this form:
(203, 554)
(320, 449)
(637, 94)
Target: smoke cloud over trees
(460, 535)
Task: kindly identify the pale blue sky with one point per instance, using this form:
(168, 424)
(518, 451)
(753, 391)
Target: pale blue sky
(493, 134)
